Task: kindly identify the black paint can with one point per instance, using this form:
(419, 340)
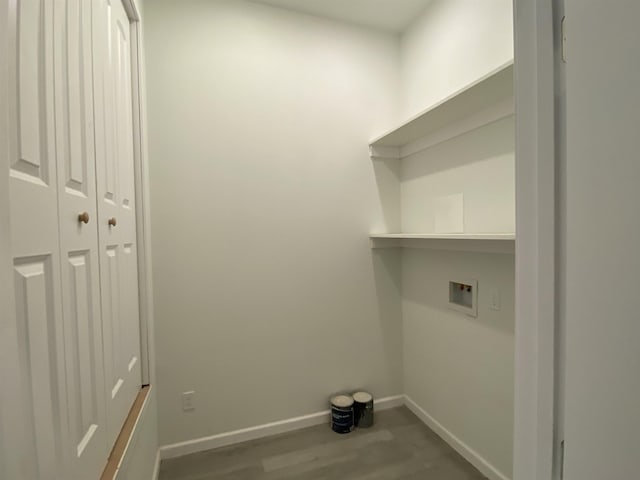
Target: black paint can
(362, 409)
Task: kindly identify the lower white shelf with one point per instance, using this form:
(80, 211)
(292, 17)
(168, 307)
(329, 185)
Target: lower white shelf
(473, 242)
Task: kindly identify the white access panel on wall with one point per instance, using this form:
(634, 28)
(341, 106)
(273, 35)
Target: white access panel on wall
(116, 209)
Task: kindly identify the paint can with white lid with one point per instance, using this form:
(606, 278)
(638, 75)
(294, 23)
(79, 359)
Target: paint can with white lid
(342, 413)
(362, 409)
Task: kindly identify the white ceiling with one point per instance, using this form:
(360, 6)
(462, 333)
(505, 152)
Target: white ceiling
(390, 15)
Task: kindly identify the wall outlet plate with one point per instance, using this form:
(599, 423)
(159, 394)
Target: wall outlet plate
(187, 401)
(463, 296)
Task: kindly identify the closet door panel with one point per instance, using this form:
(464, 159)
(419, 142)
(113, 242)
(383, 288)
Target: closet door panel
(112, 316)
(116, 209)
(131, 314)
(30, 157)
(88, 449)
(39, 338)
(35, 248)
(86, 392)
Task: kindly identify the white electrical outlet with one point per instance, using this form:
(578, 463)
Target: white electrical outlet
(187, 401)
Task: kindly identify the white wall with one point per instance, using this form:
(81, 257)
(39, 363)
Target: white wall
(453, 43)
(599, 230)
(267, 295)
(479, 164)
(458, 369)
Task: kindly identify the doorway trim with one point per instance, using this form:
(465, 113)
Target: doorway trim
(536, 195)
(11, 428)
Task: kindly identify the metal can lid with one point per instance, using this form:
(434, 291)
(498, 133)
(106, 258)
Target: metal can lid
(342, 401)
(362, 397)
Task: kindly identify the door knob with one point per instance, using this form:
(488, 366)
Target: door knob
(83, 217)
(112, 222)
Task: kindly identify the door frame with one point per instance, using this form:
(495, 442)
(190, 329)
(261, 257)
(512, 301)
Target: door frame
(10, 402)
(535, 349)
(536, 52)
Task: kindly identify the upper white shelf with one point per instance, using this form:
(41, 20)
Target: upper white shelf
(468, 242)
(447, 236)
(483, 101)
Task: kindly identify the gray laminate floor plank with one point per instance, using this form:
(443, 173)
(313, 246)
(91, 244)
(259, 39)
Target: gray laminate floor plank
(398, 447)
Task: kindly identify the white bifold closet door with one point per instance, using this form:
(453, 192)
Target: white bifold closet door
(73, 240)
(116, 209)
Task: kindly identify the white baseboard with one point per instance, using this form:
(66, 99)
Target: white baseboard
(156, 467)
(261, 431)
(389, 402)
(473, 457)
